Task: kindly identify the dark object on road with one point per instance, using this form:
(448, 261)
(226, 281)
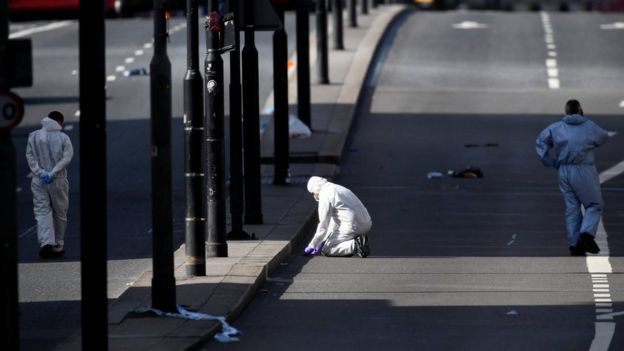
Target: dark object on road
(136, 72)
(468, 172)
(577, 251)
(480, 145)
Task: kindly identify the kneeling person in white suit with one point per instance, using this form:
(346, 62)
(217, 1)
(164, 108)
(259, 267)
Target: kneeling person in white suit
(343, 221)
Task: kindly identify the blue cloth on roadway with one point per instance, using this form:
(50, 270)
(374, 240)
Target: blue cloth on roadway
(568, 146)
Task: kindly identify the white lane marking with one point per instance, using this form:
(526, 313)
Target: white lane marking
(552, 53)
(599, 267)
(604, 334)
(553, 72)
(120, 68)
(111, 78)
(469, 25)
(551, 46)
(551, 63)
(622, 104)
(45, 28)
(549, 39)
(139, 53)
(28, 231)
(74, 72)
(553, 83)
(77, 113)
(129, 60)
(147, 46)
(612, 133)
(610, 26)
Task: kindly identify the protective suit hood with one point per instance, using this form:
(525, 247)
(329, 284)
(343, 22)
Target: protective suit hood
(50, 125)
(575, 119)
(315, 184)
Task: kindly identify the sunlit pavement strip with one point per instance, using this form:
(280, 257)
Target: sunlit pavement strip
(599, 267)
(551, 63)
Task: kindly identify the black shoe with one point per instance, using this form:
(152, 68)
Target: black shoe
(577, 251)
(589, 244)
(362, 248)
(47, 251)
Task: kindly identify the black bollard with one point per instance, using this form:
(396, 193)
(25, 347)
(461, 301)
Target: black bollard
(338, 27)
(352, 13)
(321, 42)
(303, 63)
(280, 88)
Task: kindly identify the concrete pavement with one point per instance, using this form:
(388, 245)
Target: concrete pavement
(288, 211)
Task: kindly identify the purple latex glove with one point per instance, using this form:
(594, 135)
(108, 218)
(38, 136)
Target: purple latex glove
(309, 251)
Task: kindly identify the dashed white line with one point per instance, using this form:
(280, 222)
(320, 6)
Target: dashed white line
(139, 53)
(45, 28)
(120, 68)
(129, 60)
(111, 78)
(553, 83)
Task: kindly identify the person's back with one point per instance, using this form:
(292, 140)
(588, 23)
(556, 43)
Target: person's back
(350, 213)
(49, 152)
(568, 146)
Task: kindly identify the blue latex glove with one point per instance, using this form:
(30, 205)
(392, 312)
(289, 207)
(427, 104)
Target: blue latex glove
(46, 178)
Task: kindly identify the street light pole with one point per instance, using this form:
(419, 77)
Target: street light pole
(93, 193)
(216, 245)
(338, 27)
(303, 62)
(195, 224)
(163, 279)
(251, 122)
(236, 136)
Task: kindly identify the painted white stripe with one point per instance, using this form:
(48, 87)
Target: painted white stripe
(77, 113)
(602, 295)
(601, 290)
(553, 72)
(601, 285)
(604, 300)
(553, 83)
(596, 275)
(601, 304)
(604, 310)
(551, 46)
(551, 63)
(120, 68)
(129, 60)
(552, 53)
(147, 46)
(612, 133)
(622, 104)
(111, 78)
(47, 27)
(29, 231)
(612, 172)
(138, 52)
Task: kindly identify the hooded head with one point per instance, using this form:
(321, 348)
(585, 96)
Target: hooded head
(573, 107)
(315, 184)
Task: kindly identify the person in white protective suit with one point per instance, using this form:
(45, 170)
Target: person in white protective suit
(49, 152)
(568, 146)
(343, 221)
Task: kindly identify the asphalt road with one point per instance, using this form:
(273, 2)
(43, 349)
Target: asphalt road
(464, 264)
(50, 291)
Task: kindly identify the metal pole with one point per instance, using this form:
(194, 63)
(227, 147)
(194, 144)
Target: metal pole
(352, 13)
(251, 121)
(195, 225)
(216, 245)
(303, 63)
(8, 243)
(93, 202)
(9, 296)
(236, 136)
(280, 87)
(338, 27)
(321, 43)
(163, 279)
(364, 7)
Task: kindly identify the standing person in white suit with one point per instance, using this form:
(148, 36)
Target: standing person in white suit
(343, 221)
(49, 152)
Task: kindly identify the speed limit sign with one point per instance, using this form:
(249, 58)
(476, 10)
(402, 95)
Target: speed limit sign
(11, 110)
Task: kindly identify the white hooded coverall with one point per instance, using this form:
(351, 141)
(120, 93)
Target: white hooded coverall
(568, 146)
(50, 150)
(342, 217)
